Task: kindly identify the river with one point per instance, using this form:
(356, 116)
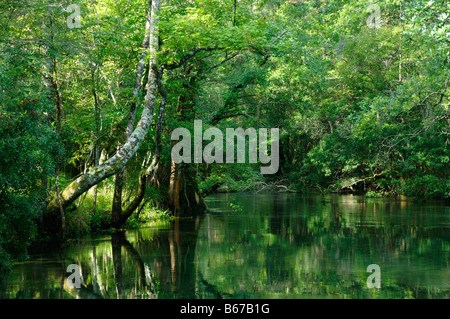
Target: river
(257, 246)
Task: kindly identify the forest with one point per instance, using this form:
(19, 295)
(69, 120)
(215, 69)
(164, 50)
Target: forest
(91, 91)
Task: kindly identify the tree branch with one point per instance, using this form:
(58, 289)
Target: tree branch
(186, 58)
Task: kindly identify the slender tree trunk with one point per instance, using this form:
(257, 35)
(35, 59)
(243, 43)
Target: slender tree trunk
(123, 155)
(149, 174)
(50, 79)
(234, 12)
(118, 187)
(97, 128)
(182, 188)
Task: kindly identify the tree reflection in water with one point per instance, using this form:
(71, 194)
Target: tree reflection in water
(274, 246)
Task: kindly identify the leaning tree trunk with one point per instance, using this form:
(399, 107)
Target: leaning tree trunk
(158, 173)
(123, 155)
(176, 182)
(149, 174)
(116, 210)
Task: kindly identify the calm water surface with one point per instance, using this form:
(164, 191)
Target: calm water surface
(257, 246)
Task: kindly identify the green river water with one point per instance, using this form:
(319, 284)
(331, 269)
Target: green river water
(257, 246)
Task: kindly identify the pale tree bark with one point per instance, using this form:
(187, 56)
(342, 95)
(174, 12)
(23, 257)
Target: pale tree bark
(116, 210)
(149, 174)
(123, 155)
(118, 219)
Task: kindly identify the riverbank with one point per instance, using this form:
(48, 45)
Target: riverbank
(356, 186)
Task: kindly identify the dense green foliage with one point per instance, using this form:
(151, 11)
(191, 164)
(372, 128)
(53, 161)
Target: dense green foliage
(359, 108)
(28, 148)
